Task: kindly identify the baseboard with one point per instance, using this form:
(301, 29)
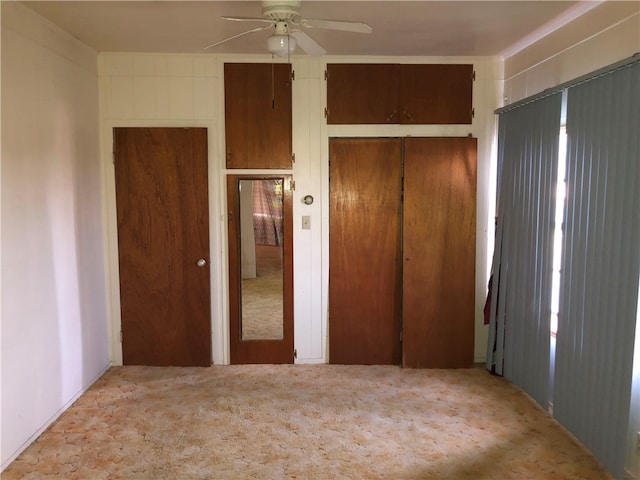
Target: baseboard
(309, 361)
(53, 418)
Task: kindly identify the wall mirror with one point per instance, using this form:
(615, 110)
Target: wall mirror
(260, 264)
(261, 251)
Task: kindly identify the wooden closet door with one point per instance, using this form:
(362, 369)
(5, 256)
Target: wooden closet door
(257, 99)
(439, 225)
(364, 251)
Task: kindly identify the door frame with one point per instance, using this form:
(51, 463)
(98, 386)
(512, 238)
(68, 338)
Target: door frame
(217, 247)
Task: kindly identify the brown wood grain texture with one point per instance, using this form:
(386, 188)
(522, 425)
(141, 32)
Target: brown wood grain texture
(258, 115)
(163, 230)
(364, 251)
(399, 93)
(439, 225)
(436, 93)
(362, 94)
(259, 351)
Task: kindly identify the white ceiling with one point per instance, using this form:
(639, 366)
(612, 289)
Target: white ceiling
(400, 28)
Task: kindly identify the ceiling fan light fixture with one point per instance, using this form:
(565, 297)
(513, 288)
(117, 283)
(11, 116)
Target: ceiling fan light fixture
(281, 15)
(281, 45)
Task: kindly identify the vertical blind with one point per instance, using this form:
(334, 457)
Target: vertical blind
(601, 263)
(518, 344)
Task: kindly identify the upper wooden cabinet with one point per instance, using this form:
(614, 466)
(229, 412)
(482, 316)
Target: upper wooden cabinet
(257, 100)
(436, 94)
(407, 94)
(362, 93)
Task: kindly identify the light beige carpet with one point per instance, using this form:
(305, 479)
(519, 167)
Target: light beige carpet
(304, 422)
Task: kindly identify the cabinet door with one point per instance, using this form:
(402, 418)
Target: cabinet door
(258, 115)
(439, 226)
(436, 94)
(362, 94)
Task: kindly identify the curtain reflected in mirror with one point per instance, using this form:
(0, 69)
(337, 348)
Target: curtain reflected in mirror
(261, 246)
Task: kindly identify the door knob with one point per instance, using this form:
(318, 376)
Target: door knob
(201, 263)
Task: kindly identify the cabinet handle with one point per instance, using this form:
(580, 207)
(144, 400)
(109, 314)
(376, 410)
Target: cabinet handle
(391, 115)
(406, 114)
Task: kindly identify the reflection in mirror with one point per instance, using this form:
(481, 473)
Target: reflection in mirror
(261, 246)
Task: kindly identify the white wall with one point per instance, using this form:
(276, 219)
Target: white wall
(180, 90)
(602, 36)
(608, 33)
(54, 317)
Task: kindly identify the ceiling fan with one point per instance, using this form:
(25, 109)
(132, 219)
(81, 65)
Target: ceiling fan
(284, 17)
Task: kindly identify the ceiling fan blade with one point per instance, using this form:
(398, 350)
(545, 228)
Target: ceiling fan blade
(257, 29)
(308, 44)
(357, 27)
(247, 19)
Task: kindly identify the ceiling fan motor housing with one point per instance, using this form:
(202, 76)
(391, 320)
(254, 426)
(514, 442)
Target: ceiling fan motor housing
(281, 10)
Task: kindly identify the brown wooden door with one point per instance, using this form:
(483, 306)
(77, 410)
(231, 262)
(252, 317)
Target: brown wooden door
(258, 115)
(163, 232)
(247, 349)
(362, 93)
(439, 252)
(436, 94)
(364, 251)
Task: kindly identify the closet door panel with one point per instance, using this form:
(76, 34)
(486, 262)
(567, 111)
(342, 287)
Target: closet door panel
(439, 245)
(258, 115)
(364, 251)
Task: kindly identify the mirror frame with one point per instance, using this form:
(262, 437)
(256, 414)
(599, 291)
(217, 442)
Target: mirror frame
(259, 351)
